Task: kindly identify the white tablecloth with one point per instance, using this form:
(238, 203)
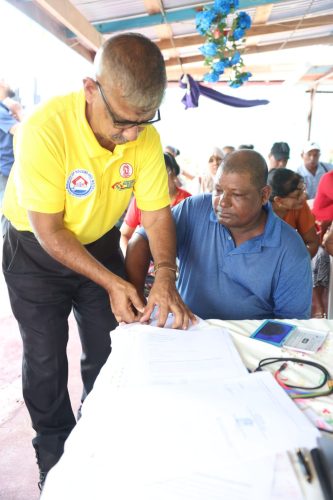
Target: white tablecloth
(80, 471)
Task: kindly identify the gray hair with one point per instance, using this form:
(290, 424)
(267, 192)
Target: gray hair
(246, 161)
(133, 64)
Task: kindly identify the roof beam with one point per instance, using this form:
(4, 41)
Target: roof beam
(262, 14)
(325, 76)
(65, 13)
(257, 49)
(309, 22)
(170, 16)
(163, 31)
(255, 30)
(260, 72)
(152, 6)
(37, 14)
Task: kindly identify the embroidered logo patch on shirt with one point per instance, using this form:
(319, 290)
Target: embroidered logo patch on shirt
(121, 185)
(80, 183)
(126, 170)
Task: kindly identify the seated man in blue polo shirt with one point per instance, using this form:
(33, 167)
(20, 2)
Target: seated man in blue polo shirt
(237, 259)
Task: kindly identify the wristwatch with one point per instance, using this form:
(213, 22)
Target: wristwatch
(167, 265)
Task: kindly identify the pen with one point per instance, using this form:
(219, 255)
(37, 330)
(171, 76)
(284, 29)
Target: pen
(304, 465)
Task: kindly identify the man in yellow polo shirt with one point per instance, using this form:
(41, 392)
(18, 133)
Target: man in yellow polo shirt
(78, 159)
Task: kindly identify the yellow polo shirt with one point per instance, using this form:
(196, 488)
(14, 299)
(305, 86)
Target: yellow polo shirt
(60, 166)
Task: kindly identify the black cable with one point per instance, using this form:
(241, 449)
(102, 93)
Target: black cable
(269, 361)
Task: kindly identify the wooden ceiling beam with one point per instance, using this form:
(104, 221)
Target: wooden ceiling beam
(163, 31)
(174, 15)
(37, 14)
(181, 41)
(255, 30)
(65, 13)
(272, 47)
(62, 17)
(260, 72)
(309, 22)
(152, 6)
(262, 13)
(326, 76)
(174, 61)
(257, 49)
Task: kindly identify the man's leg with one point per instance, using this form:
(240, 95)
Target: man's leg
(95, 321)
(40, 292)
(92, 310)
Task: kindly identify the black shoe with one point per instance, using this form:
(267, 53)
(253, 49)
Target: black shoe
(42, 474)
(48, 451)
(42, 477)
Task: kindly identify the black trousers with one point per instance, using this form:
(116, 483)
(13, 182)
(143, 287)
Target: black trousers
(42, 293)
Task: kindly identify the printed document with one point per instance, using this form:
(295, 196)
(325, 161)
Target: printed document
(175, 415)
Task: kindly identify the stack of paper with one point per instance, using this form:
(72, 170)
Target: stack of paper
(175, 415)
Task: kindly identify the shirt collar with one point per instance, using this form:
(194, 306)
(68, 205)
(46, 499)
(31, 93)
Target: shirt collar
(272, 232)
(304, 172)
(3, 105)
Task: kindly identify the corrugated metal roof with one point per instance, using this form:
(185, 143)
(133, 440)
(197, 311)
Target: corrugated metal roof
(296, 9)
(108, 10)
(277, 25)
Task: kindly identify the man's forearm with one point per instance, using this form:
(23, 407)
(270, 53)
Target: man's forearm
(160, 228)
(137, 261)
(161, 233)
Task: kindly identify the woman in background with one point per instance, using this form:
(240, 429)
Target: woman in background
(214, 161)
(288, 198)
(205, 182)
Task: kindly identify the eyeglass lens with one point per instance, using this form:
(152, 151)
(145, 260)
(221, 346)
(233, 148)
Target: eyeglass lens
(125, 124)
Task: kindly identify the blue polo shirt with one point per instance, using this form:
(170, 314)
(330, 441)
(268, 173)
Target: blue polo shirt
(312, 181)
(268, 276)
(6, 140)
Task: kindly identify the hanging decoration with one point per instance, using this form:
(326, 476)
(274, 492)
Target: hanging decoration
(224, 31)
(194, 90)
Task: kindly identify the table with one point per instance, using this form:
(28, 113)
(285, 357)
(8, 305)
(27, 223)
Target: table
(81, 471)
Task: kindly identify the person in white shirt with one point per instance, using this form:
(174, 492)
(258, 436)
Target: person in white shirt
(312, 169)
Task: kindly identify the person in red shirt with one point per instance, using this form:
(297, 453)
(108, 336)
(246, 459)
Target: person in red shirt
(133, 215)
(323, 202)
(323, 212)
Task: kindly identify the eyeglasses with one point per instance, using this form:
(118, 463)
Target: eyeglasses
(120, 123)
